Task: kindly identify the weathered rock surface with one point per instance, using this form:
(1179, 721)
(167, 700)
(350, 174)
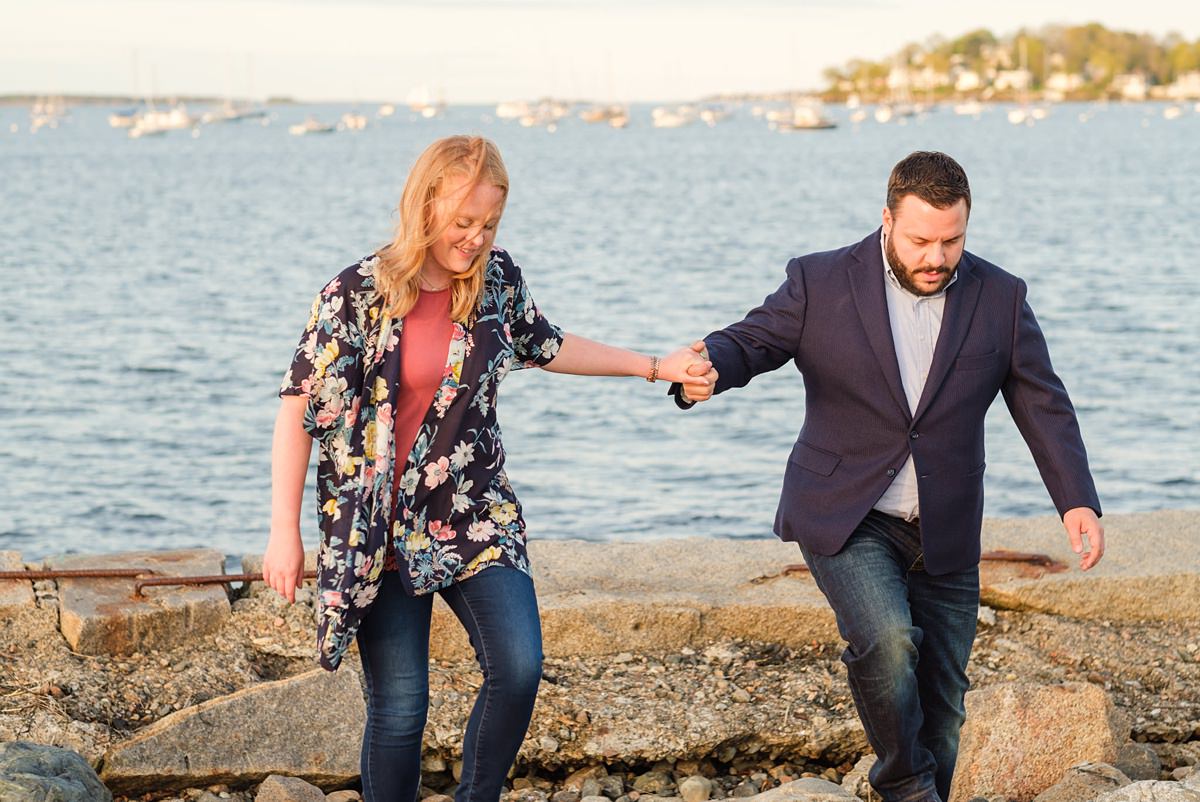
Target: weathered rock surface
(1084, 782)
(35, 772)
(1018, 738)
(1152, 791)
(309, 726)
(1141, 577)
(102, 616)
(14, 593)
(808, 789)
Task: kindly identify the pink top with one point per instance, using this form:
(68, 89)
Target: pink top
(424, 347)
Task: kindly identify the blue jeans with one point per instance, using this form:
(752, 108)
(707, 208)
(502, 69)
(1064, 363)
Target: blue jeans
(498, 609)
(908, 636)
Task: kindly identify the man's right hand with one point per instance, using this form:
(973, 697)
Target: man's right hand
(698, 394)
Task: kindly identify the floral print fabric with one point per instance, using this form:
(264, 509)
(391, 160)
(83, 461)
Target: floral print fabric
(455, 512)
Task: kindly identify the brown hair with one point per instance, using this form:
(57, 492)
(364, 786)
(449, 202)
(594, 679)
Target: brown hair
(933, 177)
(399, 274)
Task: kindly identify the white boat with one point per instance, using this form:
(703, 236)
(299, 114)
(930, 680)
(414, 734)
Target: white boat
(124, 118)
(1173, 112)
(1020, 116)
(386, 110)
(311, 126)
(424, 102)
(353, 121)
(619, 120)
(806, 117)
(512, 110)
(858, 115)
(886, 112)
(677, 117)
(231, 112)
(711, 115)
(969, 108)
(46, 113)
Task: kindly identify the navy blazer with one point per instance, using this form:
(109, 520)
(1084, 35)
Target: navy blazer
(830, 317)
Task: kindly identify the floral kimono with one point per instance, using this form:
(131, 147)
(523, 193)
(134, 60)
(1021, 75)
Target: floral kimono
(455, 512)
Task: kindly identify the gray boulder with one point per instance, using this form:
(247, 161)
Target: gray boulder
(35, 773)
(1138, 762)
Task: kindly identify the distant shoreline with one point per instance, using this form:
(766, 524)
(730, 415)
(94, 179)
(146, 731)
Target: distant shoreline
(764, 97)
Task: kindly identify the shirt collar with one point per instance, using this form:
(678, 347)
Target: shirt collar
(895, 282)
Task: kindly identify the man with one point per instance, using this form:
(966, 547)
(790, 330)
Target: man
(903, 341)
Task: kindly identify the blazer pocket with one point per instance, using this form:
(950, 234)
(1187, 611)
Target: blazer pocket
(814, 459)
(977, 361)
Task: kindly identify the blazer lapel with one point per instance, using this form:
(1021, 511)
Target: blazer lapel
(866, 285)
(961, 299)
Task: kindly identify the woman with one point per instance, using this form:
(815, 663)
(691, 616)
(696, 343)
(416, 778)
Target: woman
(395, 377)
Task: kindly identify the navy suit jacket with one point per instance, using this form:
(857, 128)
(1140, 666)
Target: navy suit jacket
(830, 317)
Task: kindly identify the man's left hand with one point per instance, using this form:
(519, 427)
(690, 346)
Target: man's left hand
(1080, 522)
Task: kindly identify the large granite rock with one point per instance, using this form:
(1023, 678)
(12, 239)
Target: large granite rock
(308, 726)
(1019, 739)
(102, 616)
(36, 773)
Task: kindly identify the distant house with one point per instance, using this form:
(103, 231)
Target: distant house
(1016, 80)
(1064, 82)
(1185, 87)
(968, 81)
(1130, 86)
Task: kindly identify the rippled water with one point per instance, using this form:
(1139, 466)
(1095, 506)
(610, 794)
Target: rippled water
(155, 289)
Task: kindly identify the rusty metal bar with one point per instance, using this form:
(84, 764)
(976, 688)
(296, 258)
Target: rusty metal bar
(78, 573)
(203, 580)
(1000, 555)
(1022, 557)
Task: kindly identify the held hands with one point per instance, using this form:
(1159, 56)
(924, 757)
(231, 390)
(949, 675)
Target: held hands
(1080, 522)
(690, 367)
(700, 377)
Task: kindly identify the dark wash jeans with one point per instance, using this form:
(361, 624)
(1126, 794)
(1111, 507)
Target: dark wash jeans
(909, 636)
(498, 609)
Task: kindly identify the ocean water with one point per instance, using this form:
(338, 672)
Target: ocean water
(155, 290)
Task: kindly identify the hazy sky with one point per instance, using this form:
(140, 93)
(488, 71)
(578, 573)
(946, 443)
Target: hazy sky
(479, 51)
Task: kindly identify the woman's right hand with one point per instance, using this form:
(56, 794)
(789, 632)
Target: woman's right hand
(283, 563)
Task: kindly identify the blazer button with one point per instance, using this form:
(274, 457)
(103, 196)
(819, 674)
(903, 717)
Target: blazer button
(891, 471)
(913, 435)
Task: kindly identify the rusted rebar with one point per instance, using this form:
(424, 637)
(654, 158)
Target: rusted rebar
(203, 580)
(78, 573)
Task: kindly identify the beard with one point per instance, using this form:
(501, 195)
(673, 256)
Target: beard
(905, 276)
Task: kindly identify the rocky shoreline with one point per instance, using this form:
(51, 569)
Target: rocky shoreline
(733, 717)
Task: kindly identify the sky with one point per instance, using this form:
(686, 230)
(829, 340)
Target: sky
(484, 51)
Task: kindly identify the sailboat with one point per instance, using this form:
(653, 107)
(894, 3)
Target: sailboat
(1023, 115)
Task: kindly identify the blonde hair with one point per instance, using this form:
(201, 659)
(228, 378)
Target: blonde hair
(399, 274)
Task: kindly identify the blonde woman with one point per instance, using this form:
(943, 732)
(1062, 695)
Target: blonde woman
(395, 377)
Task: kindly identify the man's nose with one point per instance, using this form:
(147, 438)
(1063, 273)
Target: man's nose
(936, 256)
